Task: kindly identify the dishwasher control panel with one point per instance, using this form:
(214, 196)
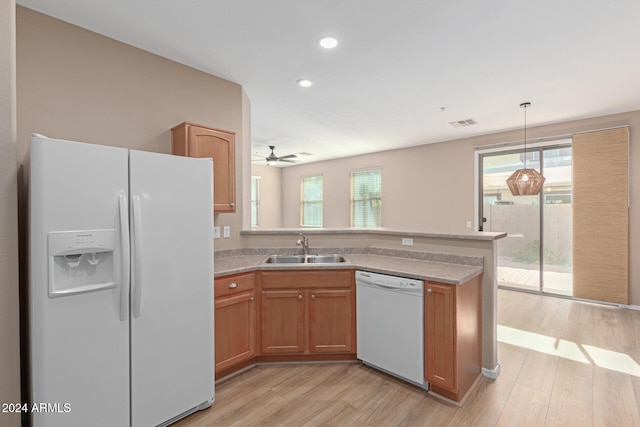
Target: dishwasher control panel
(389, 282)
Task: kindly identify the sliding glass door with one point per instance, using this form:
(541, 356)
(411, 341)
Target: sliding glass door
(536, 255)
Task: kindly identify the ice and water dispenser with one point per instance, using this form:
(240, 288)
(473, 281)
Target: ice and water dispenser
(81, 261)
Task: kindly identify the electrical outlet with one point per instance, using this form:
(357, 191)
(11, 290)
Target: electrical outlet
(216, 232)
(407, 241)
(226, 232)
(468, 224)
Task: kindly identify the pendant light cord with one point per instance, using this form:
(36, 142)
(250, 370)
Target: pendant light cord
(525, 105)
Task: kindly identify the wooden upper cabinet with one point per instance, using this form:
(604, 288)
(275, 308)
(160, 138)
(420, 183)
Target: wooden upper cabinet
(191, 140)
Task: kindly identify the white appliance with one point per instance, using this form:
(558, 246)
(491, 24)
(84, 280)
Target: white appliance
(121, 285)
(390, 325)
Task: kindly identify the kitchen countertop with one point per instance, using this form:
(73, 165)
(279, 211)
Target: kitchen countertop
(445, 272)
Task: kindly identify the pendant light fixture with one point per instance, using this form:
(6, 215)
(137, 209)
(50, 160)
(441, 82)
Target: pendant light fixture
(525, 182)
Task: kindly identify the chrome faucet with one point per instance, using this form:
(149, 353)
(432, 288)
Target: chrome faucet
(304, 242)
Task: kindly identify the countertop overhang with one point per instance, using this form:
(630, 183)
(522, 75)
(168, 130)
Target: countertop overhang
(471, 235)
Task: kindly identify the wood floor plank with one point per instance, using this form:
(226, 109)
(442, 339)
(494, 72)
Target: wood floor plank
(526, 406)
(539, 371)
(571, 401)
(486, 403)
(614, 401)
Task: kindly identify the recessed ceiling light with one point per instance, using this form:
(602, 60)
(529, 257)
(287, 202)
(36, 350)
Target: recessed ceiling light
(328, 42)
(305, 83)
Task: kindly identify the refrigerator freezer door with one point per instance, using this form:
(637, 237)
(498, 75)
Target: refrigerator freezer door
(171, 286)
(79, 345)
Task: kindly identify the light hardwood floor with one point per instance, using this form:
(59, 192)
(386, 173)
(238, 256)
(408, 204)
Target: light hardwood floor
(563, 363)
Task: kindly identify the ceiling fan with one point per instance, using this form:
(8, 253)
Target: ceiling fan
(272, 159)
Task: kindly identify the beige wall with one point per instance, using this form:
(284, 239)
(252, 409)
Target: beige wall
(417, 182)
(77, 85)
(9, 312)
(416, 185)
(270, 213)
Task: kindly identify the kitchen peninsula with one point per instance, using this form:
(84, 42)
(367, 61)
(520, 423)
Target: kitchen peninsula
(450, 258)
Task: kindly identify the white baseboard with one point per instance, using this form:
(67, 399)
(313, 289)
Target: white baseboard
(630, 307)
(491, 373)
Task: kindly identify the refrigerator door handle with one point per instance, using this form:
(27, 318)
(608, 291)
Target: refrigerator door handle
(137, 265)
(126, 259)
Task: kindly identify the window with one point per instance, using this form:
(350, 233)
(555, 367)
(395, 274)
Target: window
(255, 201)
(311, 202)
(366, 201)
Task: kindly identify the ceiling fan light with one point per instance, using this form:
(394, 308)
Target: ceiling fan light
(272, 162)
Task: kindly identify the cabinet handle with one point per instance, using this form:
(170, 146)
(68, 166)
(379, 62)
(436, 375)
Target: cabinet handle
(299, 296)
(233, 205)
(313, 296)
(233, 285)
(429, 291)
(251, 299)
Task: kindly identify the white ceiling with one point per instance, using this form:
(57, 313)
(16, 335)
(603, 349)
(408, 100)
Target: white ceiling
(397, 63)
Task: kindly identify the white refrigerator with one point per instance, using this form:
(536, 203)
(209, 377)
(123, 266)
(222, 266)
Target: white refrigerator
(120, 286)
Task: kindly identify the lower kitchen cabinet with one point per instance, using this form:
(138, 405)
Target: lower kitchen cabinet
(282, 321)
(453, 337)
(235, 320)
(307, 312)
(331, 321)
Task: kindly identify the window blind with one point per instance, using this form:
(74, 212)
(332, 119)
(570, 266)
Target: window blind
(255, 201)
(601, 215)
(311, 201)
(366, 198)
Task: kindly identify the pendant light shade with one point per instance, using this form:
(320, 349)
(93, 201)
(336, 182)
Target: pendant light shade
(525, 182)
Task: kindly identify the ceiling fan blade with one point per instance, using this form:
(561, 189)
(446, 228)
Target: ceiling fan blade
(286, 160)
(288, 156)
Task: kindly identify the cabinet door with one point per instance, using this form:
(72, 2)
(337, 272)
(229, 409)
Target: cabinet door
(331, 326)
(188, 139)
(220, 146)
(235, 329)
(440, 312)
(282, 322)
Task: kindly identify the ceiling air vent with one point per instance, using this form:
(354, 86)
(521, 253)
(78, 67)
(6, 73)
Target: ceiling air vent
(463, 123)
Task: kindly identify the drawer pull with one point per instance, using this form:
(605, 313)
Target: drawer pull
(251, 299)
(300, 296)
(313, 296)
(233, 285)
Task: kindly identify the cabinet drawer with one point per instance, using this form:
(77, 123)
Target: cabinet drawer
(307, 279)
(229, 285)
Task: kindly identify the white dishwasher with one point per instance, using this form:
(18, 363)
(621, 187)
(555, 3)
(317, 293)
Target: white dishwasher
(390, 325)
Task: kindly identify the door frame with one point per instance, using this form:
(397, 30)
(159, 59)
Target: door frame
(508, 148)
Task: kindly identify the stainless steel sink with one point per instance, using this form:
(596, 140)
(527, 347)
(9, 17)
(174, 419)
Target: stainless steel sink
(284, 259)
(323, 259)
(301, 259)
